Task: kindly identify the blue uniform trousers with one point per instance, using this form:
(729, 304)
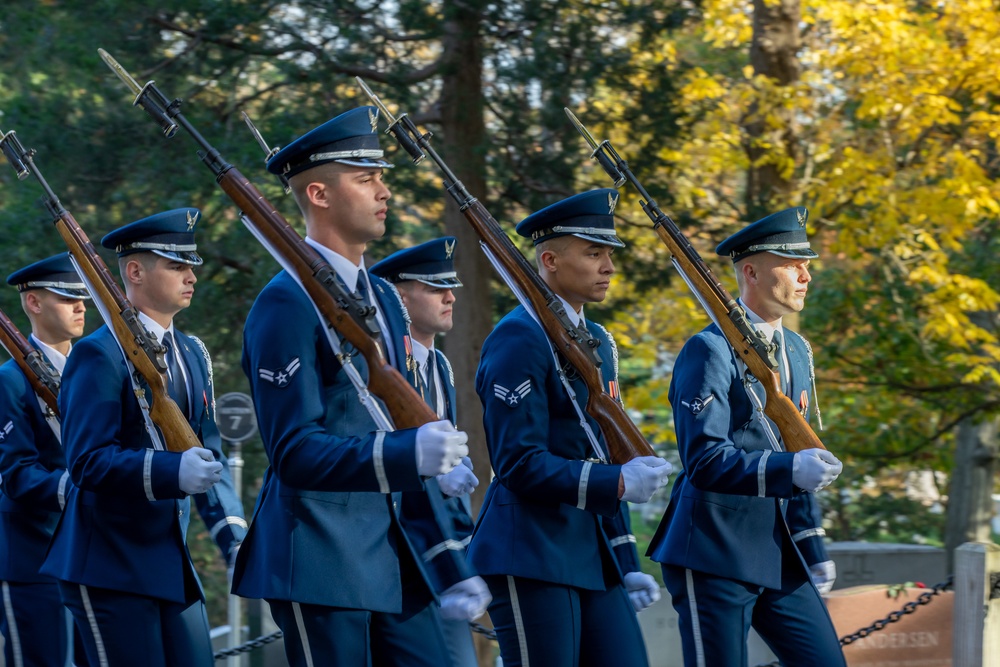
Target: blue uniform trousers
(458, 640)
(315, 635)
(124, 630)
(715, 616)
(35, 625)
(540, 623)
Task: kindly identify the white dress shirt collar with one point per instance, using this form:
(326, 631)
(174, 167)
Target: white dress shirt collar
(574, 316)
(760, 324)
(345, 268)
(55, 357)
(154, 328)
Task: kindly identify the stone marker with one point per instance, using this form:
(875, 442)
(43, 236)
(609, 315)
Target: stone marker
(920, 639)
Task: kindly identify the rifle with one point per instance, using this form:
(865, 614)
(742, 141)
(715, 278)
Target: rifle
(44, 380)
(574, 342)
(341, 310)
(748, 343)
(141, 350)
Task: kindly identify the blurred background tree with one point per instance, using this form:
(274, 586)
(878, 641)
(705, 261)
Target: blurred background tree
(880, 117)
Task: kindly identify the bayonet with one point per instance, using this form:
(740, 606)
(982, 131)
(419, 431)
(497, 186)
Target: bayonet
(268, 151)
(148, 96)
(603, 152)
(122, 73)
(402, 128)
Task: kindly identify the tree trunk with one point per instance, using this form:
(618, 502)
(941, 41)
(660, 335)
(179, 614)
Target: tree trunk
(773, 53)
(462, 146)
(970, 502)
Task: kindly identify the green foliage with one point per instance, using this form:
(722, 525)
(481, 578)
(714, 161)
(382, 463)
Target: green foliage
(889, 136)
(883, 515)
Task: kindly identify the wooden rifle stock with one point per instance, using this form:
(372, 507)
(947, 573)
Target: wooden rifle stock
(575, 343)
(795, 431)
(405, 406)
(139, 348)
(145, 354)
(624, 440)
(730, 317)
(41, 376)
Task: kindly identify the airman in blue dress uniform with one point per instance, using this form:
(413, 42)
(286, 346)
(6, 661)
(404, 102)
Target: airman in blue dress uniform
(35, 483)
(741, 540)
(119, 551)
(425, 277)
(553, 517)
(325, 548)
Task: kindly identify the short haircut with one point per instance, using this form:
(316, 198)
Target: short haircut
(556, 245)
(147, 259)
(323, 173)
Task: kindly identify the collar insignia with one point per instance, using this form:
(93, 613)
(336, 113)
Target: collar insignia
(449, 248)
(282, 376)
(612, 202)
(512, 397)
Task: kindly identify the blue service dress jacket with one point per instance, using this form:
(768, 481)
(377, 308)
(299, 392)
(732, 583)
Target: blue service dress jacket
(325, 529)
(552, 512)
(124, 525)
(33, 479)
(438, 526)
(734, 497)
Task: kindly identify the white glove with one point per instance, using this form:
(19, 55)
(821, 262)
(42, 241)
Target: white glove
(642, 476)
(466, 601)
(199, 471)
(814, 469)
(440, 447)
(642, 590)
(823, 575)
(459, 481)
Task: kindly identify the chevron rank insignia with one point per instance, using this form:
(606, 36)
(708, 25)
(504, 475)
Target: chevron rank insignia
(6, 430)
(282, 376)
(512, 397)
(698, 404)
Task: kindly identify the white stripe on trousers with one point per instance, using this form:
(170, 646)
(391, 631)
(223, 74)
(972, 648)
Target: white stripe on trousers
(15, 636)
(102, 655)
(699, 646)
(515, 606)
(301, 626)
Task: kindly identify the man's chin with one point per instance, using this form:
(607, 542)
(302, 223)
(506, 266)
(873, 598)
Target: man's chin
(598, 297)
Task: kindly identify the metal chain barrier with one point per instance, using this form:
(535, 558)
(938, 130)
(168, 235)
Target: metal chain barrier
(895, 616)
(248, 646)
(483, 630)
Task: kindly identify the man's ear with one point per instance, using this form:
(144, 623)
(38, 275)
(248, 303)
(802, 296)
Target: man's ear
(549, 260)
(133, 272)
(317, 194)
(32, 302)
